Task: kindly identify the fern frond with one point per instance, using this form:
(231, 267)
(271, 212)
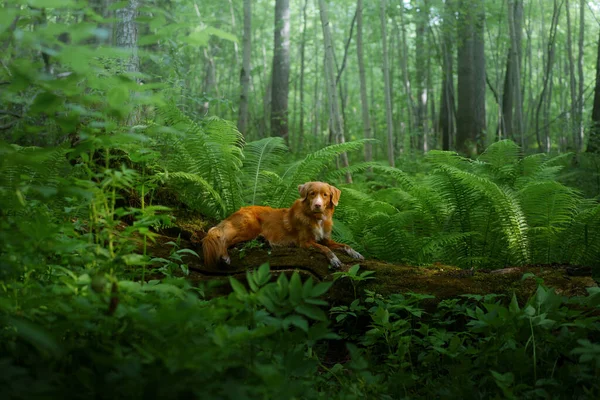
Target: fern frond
(261, 155)
(307, 170)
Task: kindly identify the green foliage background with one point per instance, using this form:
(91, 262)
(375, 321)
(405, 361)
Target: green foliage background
(82, 191)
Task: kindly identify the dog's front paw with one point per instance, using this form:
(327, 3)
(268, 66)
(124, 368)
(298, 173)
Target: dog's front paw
(335, 262)
(354, 254)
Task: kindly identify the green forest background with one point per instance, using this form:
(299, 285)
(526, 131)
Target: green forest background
(461, 132)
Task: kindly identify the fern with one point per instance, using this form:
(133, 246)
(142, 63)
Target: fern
(260, 157)
(211, 150)
(307, 170)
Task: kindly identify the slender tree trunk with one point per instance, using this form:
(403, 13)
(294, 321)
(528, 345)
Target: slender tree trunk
(447, 97)
(302, 56)
(386, 88)
(245, 73)
(405, 74)
(470, 118)
(421, 59)
(363, 81)
(126, 37)
(511, 122)
(337, 123)
(593, 145)
(580, 99)
(572, 84)
(281, 70)
(547, 76)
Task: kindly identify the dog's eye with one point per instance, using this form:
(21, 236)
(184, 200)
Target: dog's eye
(312, 193)
(325, 194)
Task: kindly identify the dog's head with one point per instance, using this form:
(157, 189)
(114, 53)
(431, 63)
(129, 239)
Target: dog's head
(319, 196)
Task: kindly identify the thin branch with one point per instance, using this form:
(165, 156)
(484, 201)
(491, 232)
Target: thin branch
(339, 75)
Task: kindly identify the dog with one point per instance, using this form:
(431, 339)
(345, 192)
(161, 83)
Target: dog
(307, 224)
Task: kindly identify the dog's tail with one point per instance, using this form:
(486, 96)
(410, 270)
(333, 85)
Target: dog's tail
(213, 246)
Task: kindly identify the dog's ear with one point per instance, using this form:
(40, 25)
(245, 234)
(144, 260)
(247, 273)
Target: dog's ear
(303, 190)
(335, 195)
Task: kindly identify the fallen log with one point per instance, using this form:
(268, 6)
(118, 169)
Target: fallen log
(442, 281)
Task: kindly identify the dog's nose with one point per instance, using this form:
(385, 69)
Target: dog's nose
(318, 205)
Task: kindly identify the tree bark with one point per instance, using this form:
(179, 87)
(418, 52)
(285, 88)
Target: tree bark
(302, 57)
(572, 84)
(364, 101)
(337, 123)
(126, 34)
(446, 120)
(126, 37)
(245, 72)
(470, 118)
(593, 145)
(512, 105)
(386, 88)
(421, 60)
(405, 74)
(547, 74)
(580, 99)
(281, 70)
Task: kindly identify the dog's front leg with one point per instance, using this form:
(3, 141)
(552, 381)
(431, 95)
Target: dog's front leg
(349, 250)
(333, 260)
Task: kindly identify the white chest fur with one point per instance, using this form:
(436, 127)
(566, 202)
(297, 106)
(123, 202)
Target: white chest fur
(319, 231)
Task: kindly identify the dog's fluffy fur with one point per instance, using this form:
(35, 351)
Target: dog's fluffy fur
(307, 223)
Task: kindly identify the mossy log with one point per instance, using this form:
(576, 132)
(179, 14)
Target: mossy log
(441, 281)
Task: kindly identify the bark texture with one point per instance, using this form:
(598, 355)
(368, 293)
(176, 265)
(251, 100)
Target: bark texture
(336, 120)
(387, 85)
(364, 101)
(470, 119)
(281, 70)
(245, 72)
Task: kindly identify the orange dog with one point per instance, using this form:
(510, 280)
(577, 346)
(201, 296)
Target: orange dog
(307, 223)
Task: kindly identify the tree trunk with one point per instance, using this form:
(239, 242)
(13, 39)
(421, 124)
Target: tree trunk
(470, 118)
(363, 81)
(580, 99)
(421, 59)
(245, 72)
(386, 87)
(447, 97)
(126, 34)
(512, 105)
(547, 75)
(405, 74)
(126, 37)
(593, 145)
(573, 125)
(281, 70)
(302, 56)
(337, 123)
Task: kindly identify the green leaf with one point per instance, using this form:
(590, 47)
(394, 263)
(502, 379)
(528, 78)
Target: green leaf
(263, 274)
(353, 270)
(321, 289)
(222, 34)
(251, 281)
(295, 288)
(312, 312)
(238, 288)
(297, 321)
(514, 305)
